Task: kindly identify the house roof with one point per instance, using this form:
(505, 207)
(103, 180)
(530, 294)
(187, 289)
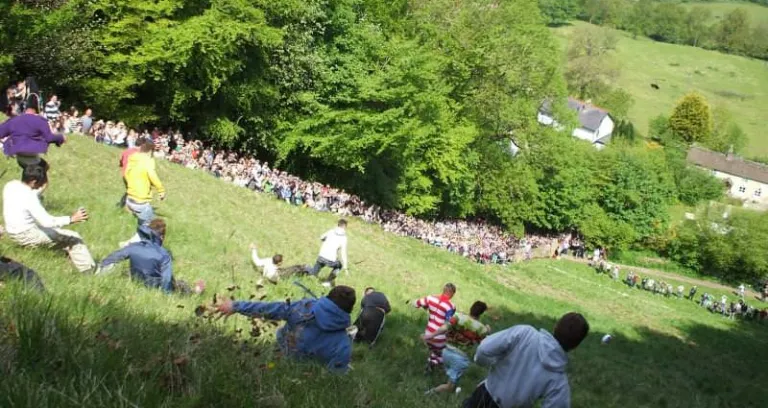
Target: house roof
(730, 164)
(590, 116)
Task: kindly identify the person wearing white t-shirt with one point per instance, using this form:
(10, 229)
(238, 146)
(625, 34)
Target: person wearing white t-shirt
(269, 265)
(334, 243)
(28, 224)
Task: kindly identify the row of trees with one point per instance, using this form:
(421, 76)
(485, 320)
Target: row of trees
(669, 22)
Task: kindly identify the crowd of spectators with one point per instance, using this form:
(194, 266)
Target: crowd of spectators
(478, 240)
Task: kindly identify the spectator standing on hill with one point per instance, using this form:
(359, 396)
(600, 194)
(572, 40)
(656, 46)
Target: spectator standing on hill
(440, 309)
(150, 261)
(27, 136)
(140, 177)
(314, 328)
(374, 308)
(463, 331)
(692, 292)
(29, 224)
(334, 243)
(527, 365)
(52, 109)
(86, 121)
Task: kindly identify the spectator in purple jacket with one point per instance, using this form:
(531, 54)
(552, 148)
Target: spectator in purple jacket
(27, 136)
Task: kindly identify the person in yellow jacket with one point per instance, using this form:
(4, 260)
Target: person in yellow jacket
(140, 177)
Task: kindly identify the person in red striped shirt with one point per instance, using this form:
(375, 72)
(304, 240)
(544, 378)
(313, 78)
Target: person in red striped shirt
(440, 309)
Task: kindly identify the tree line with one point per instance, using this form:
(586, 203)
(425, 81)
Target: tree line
(669, 22)
(411, 105)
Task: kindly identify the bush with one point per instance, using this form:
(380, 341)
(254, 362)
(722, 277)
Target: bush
(695, 185)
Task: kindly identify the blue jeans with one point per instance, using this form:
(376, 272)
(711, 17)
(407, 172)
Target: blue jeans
(321, 263)
(455, 363)
(143, 212)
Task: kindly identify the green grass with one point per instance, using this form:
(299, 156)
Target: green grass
(757, 13)
(738, 83)
(107, 342)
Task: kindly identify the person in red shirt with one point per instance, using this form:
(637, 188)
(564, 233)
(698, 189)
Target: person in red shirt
(124, 166)
(441, 309)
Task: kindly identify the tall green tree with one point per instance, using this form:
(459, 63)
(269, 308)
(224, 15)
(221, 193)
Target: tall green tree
(558, 12)
(697, 25)
(733, 33)
(691, 118)
(592, 66)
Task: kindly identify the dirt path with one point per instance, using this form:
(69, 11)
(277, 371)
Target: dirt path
(673, 276)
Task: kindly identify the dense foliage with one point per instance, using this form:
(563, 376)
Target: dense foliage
(732, 248)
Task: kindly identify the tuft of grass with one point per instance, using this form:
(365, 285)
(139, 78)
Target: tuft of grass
(106, 341)
(740, 84)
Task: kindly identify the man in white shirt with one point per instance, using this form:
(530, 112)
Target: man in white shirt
(334, 241)
(269, 265)
(28, 224)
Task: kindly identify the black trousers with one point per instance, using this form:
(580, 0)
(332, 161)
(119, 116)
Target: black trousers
(480, 398)
(16, 271)
(369, 325)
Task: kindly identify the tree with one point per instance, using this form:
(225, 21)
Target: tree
(691, 118)
(591, 65)
(603, 12)
(733, 33)
(759, 41)
(696, 27)
(727, 135)
(639, 19)
(668, 23)
(558, 12)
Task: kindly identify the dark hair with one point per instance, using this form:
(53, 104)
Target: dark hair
(147, 146)
(342, 223)
(369, 288)
(449, 288)
(35, 172)
(570, 330)
(33, 103)
(344, 297)
(158, 225)
(477, 309)
(277, 259)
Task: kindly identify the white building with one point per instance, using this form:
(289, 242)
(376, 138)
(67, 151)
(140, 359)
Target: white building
(746, 180)
(595, 124)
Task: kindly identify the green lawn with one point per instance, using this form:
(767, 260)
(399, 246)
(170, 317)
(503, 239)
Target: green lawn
(106, 342)
(757, 13)
(740, 84)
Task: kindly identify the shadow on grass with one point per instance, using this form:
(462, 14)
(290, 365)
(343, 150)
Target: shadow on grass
(66, 351)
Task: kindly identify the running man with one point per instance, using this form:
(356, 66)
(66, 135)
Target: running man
(441, 309)
(140, 177)
(464, 332)
(334, 242)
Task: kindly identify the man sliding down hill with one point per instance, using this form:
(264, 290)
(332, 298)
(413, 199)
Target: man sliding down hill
(140, 177)
(314, 328)
(150, 262)
(272, 267)
(463, 332)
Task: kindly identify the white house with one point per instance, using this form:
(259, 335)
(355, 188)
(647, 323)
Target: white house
(595, 124)
(746, 180)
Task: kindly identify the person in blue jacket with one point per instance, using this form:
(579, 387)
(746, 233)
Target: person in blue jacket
(150, 262)
(314, 328)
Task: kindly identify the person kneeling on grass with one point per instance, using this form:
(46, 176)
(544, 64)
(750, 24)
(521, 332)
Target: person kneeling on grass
(314, 328)
(11, 270)
(374, 307)
(150, 262)
(463, 332)
(528, 364)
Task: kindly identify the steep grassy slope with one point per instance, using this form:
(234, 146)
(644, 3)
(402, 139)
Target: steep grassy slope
(740, 84)
(104, 341)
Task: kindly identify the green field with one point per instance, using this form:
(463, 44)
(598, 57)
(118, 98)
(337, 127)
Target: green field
(757, 13)
(738, 83)
(103, 341)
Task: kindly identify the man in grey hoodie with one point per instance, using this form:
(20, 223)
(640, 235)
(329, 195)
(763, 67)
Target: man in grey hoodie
(527, 365)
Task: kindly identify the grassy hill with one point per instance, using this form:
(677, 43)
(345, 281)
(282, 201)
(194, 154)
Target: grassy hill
(740, 84)
(105, 341)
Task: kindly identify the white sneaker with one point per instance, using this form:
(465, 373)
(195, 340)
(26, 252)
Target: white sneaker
(326, 284)
(124, 244)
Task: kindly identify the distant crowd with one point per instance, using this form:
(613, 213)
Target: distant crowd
(478, 240)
